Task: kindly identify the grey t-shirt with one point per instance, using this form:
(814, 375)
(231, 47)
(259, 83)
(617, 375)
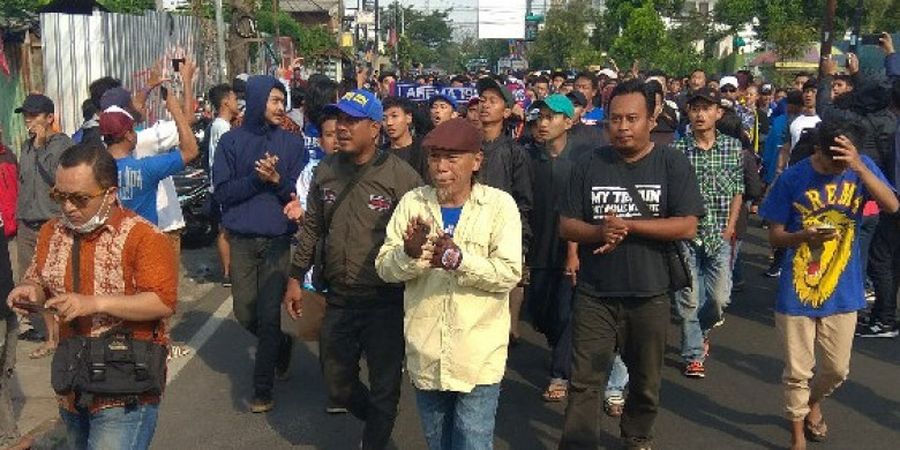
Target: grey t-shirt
(37, 174)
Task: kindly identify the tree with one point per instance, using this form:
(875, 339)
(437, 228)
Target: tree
(427, 38)
(565, 40)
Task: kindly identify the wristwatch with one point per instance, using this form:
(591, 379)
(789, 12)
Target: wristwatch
(452, 258)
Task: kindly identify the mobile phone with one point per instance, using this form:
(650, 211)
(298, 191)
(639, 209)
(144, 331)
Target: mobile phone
(176, 64)
(871, 39)
(164, 92)
(31, 307)
(825, 228)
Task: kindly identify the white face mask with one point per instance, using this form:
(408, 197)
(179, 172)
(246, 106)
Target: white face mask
(93, 223)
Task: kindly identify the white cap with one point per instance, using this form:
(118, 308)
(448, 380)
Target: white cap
(611, 74)
(116, 109)
(728, 80)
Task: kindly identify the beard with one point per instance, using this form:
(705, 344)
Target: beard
(444, 194)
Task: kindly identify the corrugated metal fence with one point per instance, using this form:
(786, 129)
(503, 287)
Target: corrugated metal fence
(78, 49)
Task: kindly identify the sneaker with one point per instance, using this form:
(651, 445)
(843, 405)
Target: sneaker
(870, 296)
(773, 272)
(694, 369)
(226, 282)
(261, 403)
(614, 405)
(283, 363)
(876, 330)
(336, 410)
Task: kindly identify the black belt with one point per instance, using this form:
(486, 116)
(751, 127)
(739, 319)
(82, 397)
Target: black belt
(34, 224)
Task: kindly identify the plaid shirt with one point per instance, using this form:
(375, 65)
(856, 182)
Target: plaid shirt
(720, 173)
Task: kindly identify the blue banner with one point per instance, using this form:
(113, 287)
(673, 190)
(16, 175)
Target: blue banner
(423, 93)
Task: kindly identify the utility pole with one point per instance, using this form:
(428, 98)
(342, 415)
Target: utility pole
(827, 32)
(275, 16)
(222, 70)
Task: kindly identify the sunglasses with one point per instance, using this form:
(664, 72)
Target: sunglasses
(79, 199)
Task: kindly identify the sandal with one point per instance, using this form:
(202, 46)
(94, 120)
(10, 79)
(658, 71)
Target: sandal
(614, 406)
(556, 392)
(42, 352)
(816, 432)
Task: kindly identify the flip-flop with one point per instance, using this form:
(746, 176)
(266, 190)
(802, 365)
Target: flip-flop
(816, 432)
(556, 392)
(42, 352)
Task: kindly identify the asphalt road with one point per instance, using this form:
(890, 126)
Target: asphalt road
(737, 406)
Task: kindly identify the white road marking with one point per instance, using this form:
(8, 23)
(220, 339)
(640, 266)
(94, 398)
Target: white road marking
(199, 338)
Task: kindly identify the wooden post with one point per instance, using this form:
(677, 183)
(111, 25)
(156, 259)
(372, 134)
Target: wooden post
(827, 33)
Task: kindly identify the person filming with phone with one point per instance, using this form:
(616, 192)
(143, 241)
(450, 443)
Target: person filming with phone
(110, 277)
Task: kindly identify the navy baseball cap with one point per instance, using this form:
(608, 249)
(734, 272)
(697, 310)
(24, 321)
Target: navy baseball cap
(447, 98)
(361, 104)
(36, 104)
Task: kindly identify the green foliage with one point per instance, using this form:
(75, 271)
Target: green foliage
(427, 39)
(309, 40)
(128, 6)
(564, 41)
(735, 13)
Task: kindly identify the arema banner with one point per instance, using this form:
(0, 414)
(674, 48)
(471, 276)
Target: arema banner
(501, 19)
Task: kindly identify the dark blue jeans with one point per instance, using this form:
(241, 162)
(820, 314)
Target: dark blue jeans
(118, 428)
(550, 293)
(259, 272)
(458, 420)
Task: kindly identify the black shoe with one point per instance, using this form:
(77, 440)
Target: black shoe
(261, 403)
(330, 409)
(226, 282)
(283, 363)
(773, 272)
(877, 330)
(32, 335)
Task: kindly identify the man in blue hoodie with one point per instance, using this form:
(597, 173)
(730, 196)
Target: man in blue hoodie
(256, 169)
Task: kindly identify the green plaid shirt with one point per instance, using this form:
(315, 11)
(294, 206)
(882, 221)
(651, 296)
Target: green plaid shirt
(720, 172)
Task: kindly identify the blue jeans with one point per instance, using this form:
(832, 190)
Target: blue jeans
(704, 304)
(737, 272)
(118, 428)
(561, 356)
(618, 379)
(457, 420)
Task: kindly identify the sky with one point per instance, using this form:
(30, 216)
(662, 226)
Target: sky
(464, 13)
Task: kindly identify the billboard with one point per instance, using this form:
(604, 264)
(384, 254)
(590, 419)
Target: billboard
(501, 20)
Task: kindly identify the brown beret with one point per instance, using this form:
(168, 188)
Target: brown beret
(457, 135)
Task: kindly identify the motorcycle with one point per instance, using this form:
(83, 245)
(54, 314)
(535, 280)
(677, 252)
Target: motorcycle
(192, 185)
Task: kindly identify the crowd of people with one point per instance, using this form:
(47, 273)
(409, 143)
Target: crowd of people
(607, 200)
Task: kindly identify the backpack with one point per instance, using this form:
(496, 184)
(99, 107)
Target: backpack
(9, 190)
(878, 143)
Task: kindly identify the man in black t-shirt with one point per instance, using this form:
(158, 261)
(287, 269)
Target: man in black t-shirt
(622, 296)
(398, 127)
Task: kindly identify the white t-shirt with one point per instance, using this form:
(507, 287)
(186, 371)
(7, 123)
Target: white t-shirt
(160, 138)
(219, 127)
(801, 123)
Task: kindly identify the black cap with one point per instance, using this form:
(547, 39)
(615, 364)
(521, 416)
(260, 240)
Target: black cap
(36, 104)
(705, 93)
(577, 98)
(487, 83)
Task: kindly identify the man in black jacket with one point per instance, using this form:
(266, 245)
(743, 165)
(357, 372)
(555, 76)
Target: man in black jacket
(364, 314)
(505, 166)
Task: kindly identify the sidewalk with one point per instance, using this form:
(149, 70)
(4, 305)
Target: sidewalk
(34, 401)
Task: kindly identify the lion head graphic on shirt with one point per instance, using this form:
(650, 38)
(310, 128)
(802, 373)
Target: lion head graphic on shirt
(817, 270)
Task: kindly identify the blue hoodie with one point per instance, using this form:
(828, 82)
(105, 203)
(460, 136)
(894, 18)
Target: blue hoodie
(251, 206)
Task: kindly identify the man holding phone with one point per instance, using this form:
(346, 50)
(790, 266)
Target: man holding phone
(37, 164)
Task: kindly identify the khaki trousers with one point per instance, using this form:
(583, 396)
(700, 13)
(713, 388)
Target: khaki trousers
(803, 338)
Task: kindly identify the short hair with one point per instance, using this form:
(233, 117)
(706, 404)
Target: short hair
(95, 156)
(595, 82)
(398, 102)
(88, 110)
(460, 79)
(653, 88)
(845, 78)
(384, 75)
(218, 93)
(802, 74)
(633, 87)
(99, 87)
(830, 129)
(657, 73)
(697, 69)
(325, 117)
(541, 79)
(795, 98)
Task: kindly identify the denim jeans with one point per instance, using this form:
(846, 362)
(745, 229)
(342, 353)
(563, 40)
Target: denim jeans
(259, 272)
(637, 326)
(346, 334)
(737, 271)
(458, 420)
(118, 428)
(561, 357)
(618, 379)
(704, 304)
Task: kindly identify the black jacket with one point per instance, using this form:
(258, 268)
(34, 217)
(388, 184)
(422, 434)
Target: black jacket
(506, 167)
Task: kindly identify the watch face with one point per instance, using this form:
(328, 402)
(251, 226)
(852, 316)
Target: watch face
(450, 258)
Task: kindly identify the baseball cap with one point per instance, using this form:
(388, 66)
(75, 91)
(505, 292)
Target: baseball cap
(458, 135)
(557, 103)
(447, 98)
(577, 98)
(36, 104)
(488, 83)
(120, 97)
(729, 80)
(705, 93)
(608, 73)
(359, 103)
(766, 89)
(115, 122)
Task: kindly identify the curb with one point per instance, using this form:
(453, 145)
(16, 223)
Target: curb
(47, 436)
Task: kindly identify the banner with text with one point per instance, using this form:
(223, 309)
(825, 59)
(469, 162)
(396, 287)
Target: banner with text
(423, 93)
